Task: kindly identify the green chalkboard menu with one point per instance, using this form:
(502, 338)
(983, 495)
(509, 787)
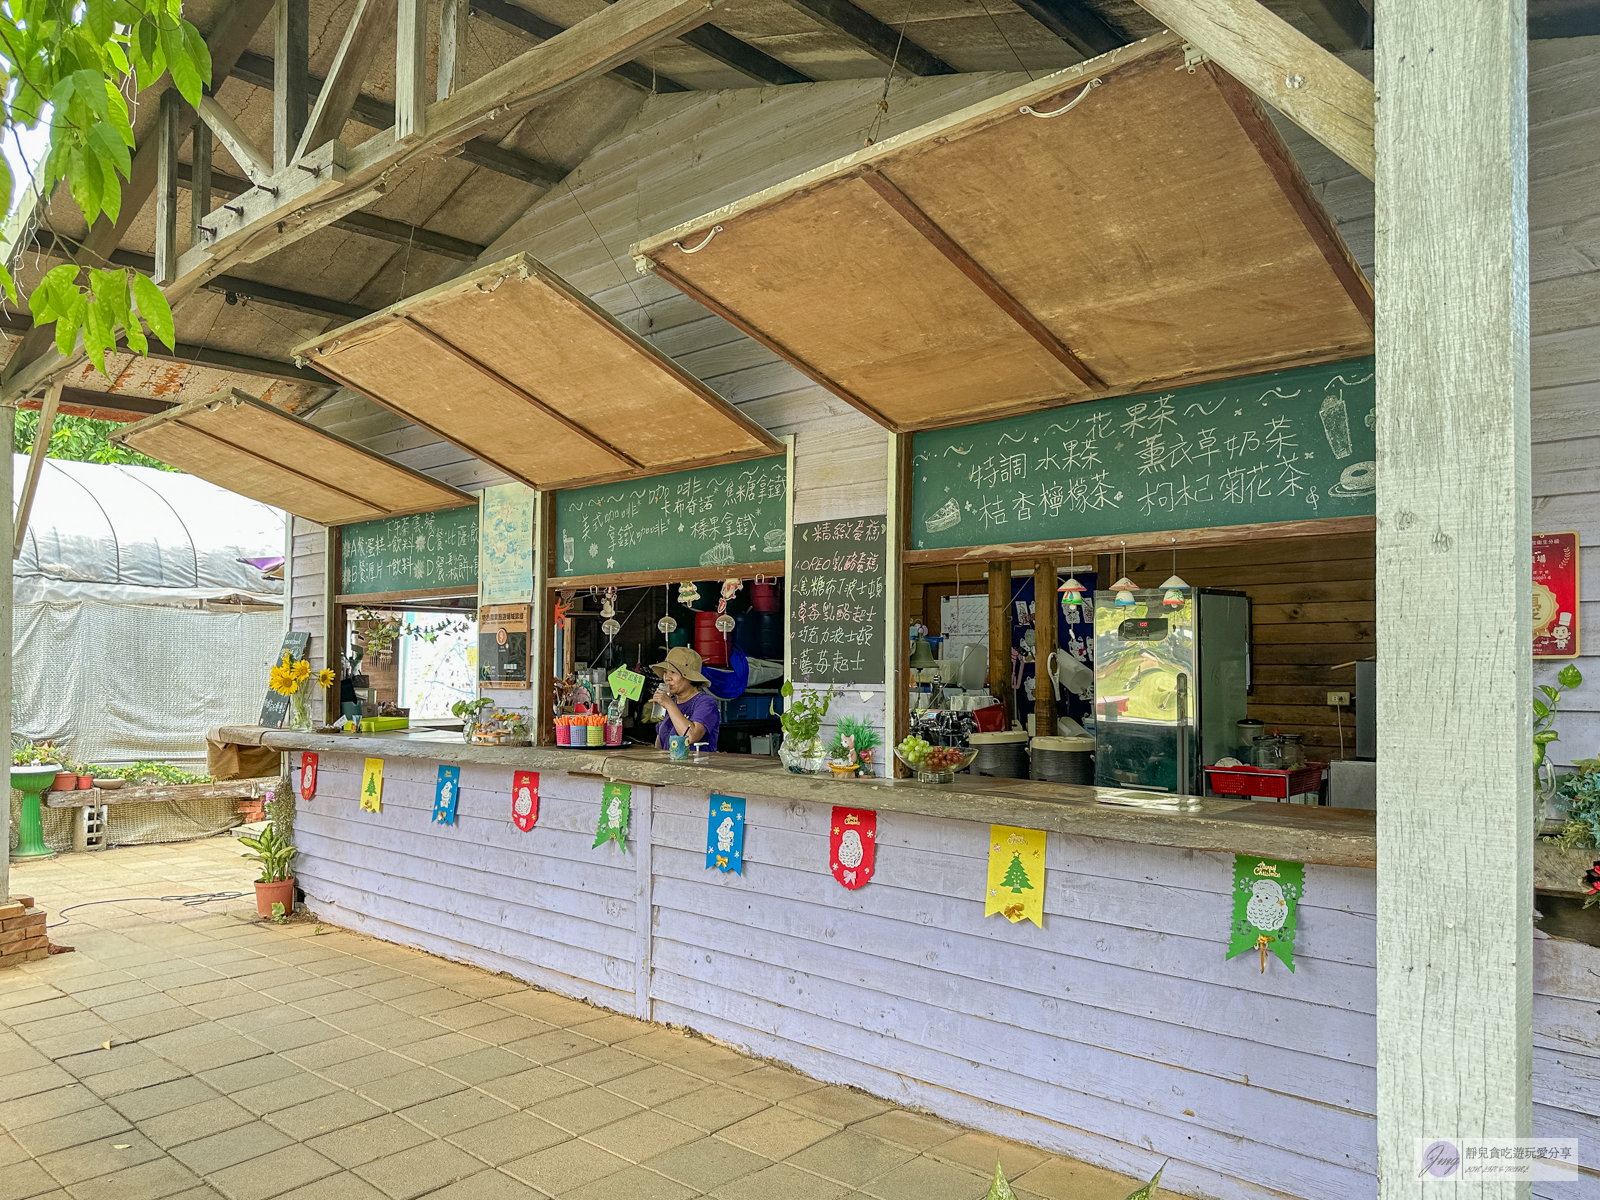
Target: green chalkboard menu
(1291, 446)
(837, 586)
(426, 551)
(711, 516)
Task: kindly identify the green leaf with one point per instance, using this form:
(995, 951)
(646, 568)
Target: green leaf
(1545, 737)
(84, 179)
(68, 322)
(185, 72)
(108, 143)
(1538, 759)
(90, 87)
(99, 20)
(6, 184)
(199, 52)
(1570, 676)
(9, 284)
(111, 287)
(1555, 696)
(1148, 1191)
(153, 308)
(117, 113)
(1541, 710)
(999, 1188)
(45, 302)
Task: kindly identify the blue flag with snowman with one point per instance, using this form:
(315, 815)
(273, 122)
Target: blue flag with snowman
(725, 834)
(445, 792)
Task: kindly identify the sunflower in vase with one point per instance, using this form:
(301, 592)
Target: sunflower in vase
(292, 678)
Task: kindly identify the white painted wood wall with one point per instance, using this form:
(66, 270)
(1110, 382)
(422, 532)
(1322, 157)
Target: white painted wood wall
(1117, 1033)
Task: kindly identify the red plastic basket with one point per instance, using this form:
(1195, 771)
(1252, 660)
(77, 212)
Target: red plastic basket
(1265, 781)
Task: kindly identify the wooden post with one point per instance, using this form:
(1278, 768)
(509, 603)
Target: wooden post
(1454, 771)
(166, 188)
(291, 93)
(8, 431)
(1000, 636)
(543, 634)
(332, 616)
(1044, 646)
(30, 483)
(897, 661)
(199, 179)
(411, 71)
(453, 15)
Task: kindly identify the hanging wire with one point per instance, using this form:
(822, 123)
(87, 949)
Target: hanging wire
(1020, 64)
(881, 113)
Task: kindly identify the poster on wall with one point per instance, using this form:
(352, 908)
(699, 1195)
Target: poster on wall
(1555, 595)
(503, 645)
(505, 545)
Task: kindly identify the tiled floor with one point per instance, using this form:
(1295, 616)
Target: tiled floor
(198, 1052)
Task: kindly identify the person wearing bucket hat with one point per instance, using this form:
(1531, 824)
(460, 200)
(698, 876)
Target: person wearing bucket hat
(692, 712)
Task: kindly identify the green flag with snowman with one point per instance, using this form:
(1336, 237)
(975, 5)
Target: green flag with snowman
(1266, 900)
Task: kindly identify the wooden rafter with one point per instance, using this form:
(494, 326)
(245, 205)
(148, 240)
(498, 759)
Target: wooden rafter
(166, 131)
(1344, 24)
(369, 25)
(411, 71)
(962, 261)
(453, 15)
(1075, 23)
(513, 18)
(884, 43)
(30, 485)
(289, 77)
(199, 178)
(1332, 102)
(252, 161)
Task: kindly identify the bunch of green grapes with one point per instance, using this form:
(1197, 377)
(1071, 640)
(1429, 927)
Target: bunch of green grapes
(913, 750)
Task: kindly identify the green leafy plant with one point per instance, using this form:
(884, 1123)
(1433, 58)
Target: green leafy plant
(861, 729)
(1579, 794)
(41, 755)
(279, 913)
(1545, 712)
(803, 711)
(382, 631)
(151, 772)
(1000, 1189)
(74, 63)
(273, 852)
(469, 709)
(80, 439)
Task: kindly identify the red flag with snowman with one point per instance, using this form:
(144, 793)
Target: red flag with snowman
(853, 845)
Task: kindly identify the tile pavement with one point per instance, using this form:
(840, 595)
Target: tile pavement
(197, 1052)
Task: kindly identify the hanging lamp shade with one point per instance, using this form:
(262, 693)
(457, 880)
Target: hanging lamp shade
(1124, 588)
(1175, 587)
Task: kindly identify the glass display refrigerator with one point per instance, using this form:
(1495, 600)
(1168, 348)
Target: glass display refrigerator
(1171, 679)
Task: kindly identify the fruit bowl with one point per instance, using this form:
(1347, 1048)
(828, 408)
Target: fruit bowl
(938, 764)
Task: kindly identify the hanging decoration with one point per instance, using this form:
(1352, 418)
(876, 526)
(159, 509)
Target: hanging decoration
(525, 800)
(608, 609)
(627, 683)
(1175, 588)
(1124, 588)
(667, 623)
(616, 803)
(372, 785)
(1266, 902)
(730, 589)
(725, 834)
(688, 593)
(308, 776)
(1071, 597)
(853, 845)
(445, 792)
(1015, 887)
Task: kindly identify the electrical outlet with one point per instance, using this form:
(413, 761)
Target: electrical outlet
(1338, 699)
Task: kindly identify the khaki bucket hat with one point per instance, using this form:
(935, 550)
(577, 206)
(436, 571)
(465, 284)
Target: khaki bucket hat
(685, 662)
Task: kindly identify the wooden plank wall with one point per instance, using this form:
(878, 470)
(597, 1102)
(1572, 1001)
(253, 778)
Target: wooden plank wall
(1564, 254)
(306, 602)
(1117, 1033)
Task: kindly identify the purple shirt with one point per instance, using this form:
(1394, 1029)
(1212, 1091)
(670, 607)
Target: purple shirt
(702, 707)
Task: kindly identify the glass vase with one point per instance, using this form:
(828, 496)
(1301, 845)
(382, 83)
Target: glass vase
(807, 757)
(300, 707)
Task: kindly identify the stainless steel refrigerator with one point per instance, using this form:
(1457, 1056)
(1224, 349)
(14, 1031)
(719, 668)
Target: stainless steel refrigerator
(1171, 677)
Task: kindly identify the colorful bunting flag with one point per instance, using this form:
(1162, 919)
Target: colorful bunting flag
(1266, 904)
(445, 792)
(616, 801)
(853, 845)
(372, 785)
(1015, 887)
(725, 834)
(525, 799)
(308, 776)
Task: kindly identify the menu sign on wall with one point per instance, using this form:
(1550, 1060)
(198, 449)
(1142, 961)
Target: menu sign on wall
(424, 551)
(503, 645)
(838, 581)
(1555, 595)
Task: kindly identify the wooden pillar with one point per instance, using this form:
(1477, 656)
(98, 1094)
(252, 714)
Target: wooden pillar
(543, 634)
(1454, 785)
(167, 188)
(291, 93)
(1000, 635)
(332, 615)
(897, 663)
(1044, 646)
(199, 179)
(453, 15)
(8, 431)
(411, 71)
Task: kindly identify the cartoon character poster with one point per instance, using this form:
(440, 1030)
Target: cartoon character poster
(725, 834)
(1015, 884)
(853, 846)
(525, 800)
(1266, 907)
(372, 785)
(446, 790)
(308, 776)
(1555, 595)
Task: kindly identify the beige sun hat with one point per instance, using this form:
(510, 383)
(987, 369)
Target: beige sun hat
(685, 662)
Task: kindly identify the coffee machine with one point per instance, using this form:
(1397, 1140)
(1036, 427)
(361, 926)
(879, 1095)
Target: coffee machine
(1171, 679)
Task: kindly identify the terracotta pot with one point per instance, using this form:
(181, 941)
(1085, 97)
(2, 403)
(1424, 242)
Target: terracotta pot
(85, 782)
(268, 894)
(65, 781)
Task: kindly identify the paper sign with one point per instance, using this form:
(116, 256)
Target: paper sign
(445, 792)
(725, 834)
(1266, 903)
(525, 799)
(372, 785)
(1015, 887)
(853, 846)
(308, 776)
(627, 683)
(1555, 595)
(616, 801)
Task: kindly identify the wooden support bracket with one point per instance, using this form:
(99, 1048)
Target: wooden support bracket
(30, 485)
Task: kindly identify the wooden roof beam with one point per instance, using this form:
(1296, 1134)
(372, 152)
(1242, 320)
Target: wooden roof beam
(253, 162)
(1332, 102)
(1344, 24)
(513, 18)
(884, 43)
(369, 25)
(741, 56)
(1076, 24)
(258, 69)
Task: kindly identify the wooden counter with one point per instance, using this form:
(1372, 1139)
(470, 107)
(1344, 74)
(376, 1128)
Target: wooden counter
(1330, 836)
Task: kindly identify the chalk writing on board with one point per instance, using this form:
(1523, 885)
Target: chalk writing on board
(427, 550)
(837, 586)
(713, 516)
(1295, 445)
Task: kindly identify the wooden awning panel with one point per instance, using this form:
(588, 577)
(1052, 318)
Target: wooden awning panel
(251, 448)
(1156, 234)
(519, 369)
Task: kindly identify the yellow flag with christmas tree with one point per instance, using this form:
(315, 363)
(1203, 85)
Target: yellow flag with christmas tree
(1016, 874)
(372, 785)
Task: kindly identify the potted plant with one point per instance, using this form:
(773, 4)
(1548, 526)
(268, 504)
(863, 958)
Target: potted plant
(1544, 718)
(802, 750)
(469, 711)
(850, 752)
(276, 885)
